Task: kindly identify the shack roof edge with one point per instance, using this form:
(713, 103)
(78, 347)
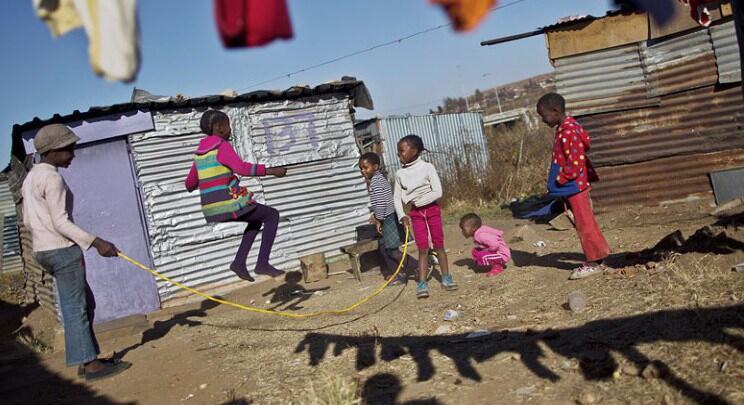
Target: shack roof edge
(356, 89)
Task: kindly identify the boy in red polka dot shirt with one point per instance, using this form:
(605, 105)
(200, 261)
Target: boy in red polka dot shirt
(569, 178)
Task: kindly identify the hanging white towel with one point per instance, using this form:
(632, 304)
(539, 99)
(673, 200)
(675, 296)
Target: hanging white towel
(111, 27)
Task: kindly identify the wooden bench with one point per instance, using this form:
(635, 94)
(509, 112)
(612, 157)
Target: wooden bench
(355, 253)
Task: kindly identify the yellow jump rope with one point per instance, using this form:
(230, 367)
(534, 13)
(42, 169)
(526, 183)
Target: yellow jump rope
(270, 312)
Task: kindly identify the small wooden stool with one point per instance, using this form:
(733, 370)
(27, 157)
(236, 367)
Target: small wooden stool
(355, 253)
(314, 267)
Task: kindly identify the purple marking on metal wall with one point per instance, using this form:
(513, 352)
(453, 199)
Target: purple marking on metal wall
(98, 129)
(288, 129)
(105, 203)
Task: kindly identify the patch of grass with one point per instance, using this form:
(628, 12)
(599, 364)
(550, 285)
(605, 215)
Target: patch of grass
(11, 287)
(332, 389)
(518, 163)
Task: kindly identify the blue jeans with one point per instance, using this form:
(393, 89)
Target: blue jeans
(76, 302)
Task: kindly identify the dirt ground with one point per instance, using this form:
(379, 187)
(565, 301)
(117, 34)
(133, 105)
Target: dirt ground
(662, 326)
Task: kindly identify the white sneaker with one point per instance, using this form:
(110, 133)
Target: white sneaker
(586, 271)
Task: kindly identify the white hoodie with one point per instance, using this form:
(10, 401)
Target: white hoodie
(417, 183)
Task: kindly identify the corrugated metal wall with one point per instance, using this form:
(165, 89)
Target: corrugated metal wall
(659, 180)
(680, 63)
(321, 201)
(39, 286)
(673, 121)
(704, 120)
(727, 52)
(11, 256)
(448, 137)
(603, 81)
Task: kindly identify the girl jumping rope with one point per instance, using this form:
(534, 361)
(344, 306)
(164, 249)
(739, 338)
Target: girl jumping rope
(222, 198)
(417, 186)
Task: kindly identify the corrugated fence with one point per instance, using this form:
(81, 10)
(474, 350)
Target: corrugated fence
(450, 139)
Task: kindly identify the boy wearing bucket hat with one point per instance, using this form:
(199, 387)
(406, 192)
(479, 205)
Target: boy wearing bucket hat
(58, 246)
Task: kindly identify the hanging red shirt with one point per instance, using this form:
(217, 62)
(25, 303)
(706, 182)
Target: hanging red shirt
(249, 23)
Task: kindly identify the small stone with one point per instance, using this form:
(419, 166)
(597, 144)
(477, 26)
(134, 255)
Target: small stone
(567, 365)
(319, 293)
(724, 366)
(651, 265)
(631, 370)
(458, 381)
(651, 372)
(516, 356)
(576, 301)
(588, 398)
(203, 386)
(529, 390)
(512, 317)
(442, 330)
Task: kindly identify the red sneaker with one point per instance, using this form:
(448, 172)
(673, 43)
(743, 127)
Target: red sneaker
(495, 270)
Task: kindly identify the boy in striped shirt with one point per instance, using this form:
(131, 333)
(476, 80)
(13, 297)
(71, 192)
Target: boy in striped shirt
(383, 213)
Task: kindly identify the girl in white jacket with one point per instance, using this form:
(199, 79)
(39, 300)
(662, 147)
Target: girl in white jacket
(417, 186)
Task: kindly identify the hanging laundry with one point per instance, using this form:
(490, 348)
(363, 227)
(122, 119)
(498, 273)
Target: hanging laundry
(699, 10)
(111, 27)
(466, 14)
(251, 23)
(60, 15)
(663, 10)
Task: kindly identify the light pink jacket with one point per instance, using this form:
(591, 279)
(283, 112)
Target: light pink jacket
(491, 239)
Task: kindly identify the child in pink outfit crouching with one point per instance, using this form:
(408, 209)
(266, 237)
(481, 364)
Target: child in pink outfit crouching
(490, 248)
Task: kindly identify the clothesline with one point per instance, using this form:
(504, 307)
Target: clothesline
(365, 50)
(113, 31)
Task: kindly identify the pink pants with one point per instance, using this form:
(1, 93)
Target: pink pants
(485, 257)
(425, 221)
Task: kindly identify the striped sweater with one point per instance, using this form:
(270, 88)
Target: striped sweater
(380, 196)
(213, 172)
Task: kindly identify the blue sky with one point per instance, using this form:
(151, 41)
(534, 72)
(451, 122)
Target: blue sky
(181, 53)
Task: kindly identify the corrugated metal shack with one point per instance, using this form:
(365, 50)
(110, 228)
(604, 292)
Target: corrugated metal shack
(443, 135)
(321, 201)
(663, 104)
(11, 250)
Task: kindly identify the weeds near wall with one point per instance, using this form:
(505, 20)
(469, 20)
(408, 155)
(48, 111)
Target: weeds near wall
(518, 163)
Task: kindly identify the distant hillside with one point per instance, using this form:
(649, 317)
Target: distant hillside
(523, 93)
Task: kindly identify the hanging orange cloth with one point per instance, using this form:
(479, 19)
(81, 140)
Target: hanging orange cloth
(466, 14)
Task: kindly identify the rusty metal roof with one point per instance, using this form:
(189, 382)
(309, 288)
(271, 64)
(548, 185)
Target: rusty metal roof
(680, 63)
(601, 81)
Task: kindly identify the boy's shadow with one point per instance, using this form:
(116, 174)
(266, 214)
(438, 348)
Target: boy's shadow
(562, 261)
(161, 328)
(385, 389)
(291, 293)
